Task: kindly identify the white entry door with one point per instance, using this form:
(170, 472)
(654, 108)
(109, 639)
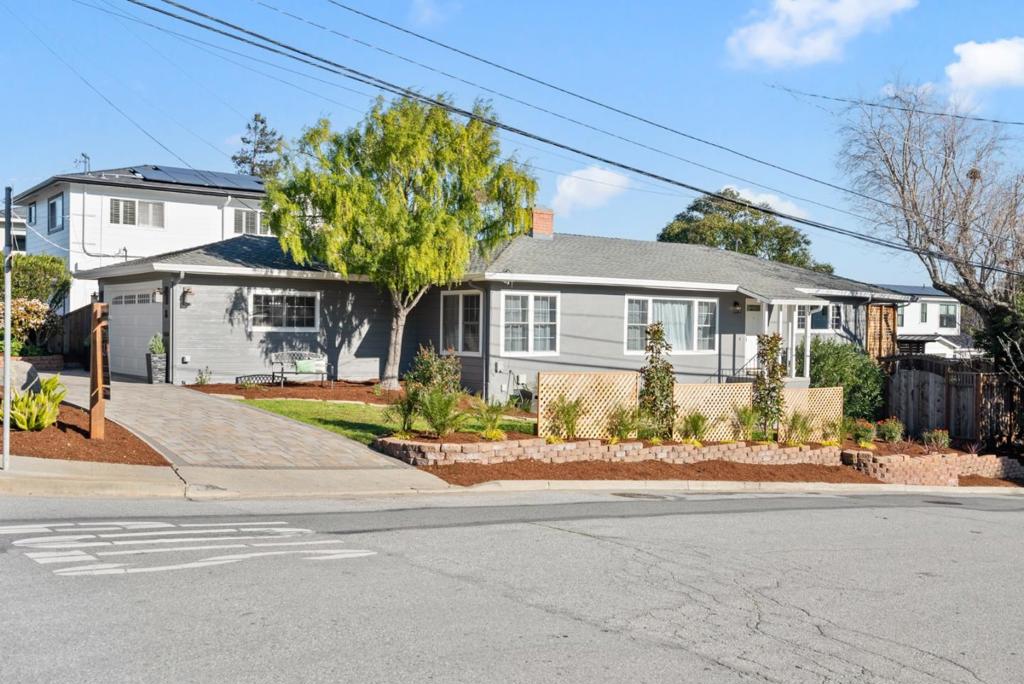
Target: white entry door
(752, 327)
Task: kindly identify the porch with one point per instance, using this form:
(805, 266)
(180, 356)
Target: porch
(789, 320)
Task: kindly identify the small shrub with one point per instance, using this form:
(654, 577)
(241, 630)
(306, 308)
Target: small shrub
(935, 439)
(403, 410)
(655, 441)
(890, 430)
(798, 428)
(248, 384)
(553, 439)
(490, 415)
(693, 427)
(204, 376)
(37, 410)
(156, 344)
(440, 408)
(377, 390)
(833, 432)
(431, 370)
(657, 388)
(623, 422)
(565, 416)
(17, 346)
(744, 422)
(863, 433)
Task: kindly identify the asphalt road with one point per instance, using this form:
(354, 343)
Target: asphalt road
(514, 588)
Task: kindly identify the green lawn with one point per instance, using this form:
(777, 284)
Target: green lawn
(360, 422)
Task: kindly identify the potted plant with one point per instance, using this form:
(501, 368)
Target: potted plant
(156, 360)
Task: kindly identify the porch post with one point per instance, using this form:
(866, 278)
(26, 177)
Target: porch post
(791, 356)
(807, 345)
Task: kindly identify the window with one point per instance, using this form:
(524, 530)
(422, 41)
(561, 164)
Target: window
(947, 315)
(144, 298)
(899, 316)
(292, 312)
(691, 325)
(924, 312)
(529, 323)
(119, 299)
(129, 299)
(55, 214)
(826, 319)
(460, 323)
(136, 213)
(31, 220)
(248, 221)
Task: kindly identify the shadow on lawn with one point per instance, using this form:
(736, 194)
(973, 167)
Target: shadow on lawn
(353, 428)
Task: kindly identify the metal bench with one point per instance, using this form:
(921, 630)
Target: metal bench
(290, 362)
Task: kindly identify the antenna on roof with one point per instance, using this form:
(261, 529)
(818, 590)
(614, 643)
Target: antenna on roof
(83, 160)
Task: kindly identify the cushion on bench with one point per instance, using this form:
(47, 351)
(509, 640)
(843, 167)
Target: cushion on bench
(308, 366)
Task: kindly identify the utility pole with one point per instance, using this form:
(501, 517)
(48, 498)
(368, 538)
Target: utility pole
(7, 328)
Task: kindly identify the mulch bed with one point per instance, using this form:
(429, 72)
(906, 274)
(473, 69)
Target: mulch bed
(465, 437)
(527, 469)
(906, 447)
(979, 481)
(68, 439)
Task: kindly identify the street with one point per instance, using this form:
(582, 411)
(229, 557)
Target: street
(530, 587)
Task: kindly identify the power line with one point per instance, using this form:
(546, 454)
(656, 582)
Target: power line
(897, 108)
(386, 86)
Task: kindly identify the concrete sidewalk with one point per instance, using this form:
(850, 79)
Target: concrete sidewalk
(52, 477)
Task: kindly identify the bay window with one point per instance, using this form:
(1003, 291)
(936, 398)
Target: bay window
(460, 323)
(529, 323)
(691, 325)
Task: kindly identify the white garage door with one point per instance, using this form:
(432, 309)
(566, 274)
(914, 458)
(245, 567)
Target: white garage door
(136, 314)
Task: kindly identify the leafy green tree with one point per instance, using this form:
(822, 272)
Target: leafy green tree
(769, 384)
(39, 276)
(403, 199)
(261, 145)
(657, 384)
(716, 222)
(840, 364)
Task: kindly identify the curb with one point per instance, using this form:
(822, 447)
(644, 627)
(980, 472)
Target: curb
(43, 485)
(727, 487)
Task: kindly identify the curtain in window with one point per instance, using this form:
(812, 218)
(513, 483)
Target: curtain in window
(450, 323)
(677, 317)
(517, 324)
(545, 315)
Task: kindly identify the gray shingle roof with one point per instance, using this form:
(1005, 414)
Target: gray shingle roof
(916, 290)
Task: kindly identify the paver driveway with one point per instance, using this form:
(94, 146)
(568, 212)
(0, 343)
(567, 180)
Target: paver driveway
(195, 429)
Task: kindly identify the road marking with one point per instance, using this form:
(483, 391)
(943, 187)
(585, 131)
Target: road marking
(79, 547)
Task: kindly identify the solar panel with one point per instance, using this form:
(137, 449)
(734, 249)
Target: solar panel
(210, 179)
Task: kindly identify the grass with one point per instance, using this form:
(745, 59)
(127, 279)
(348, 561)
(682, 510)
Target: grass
(360, 422)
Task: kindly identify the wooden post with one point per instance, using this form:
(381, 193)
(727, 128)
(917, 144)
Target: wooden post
(97, 417)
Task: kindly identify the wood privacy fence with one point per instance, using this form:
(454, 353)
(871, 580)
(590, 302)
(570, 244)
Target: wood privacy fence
(602, 393)
(77, 328)
(965, 397)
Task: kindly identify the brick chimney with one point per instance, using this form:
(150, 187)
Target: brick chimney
(543, 226)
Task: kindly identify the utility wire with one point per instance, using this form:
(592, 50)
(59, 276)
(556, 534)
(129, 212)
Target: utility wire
(386, 86)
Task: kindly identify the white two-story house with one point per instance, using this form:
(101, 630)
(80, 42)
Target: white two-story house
(930, 323)
(100, 218)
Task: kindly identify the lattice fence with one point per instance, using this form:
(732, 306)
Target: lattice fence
(601, 393)
(824, 404)
(716, 402)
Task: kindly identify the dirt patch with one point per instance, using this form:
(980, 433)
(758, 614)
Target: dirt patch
(979, 481)
(68, 439)
(906, 447)
(528, 469)
(465, 437)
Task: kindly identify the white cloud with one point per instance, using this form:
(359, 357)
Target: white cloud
(587, 188)
(774, 201)
(802, 32)
(984, 66)
(431, 12)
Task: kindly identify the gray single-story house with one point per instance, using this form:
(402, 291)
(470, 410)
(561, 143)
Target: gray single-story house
(544, 301)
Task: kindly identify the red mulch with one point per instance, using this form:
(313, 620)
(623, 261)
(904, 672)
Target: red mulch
(474, 473)
(906, 447)
(68, 439)
(979, 481)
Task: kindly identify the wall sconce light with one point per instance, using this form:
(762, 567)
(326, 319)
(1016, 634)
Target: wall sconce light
(186, 296)
(157, 293)
(737, 307)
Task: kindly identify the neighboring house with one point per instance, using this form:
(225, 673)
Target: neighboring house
(930, 323)
(543, 302)
(17, 228)
(107, 217)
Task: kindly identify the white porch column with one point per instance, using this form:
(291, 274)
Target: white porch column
(807, 345)
(791, 340)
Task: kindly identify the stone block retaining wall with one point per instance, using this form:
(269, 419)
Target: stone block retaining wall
(430, 453)
(53, 363)
(933, 469)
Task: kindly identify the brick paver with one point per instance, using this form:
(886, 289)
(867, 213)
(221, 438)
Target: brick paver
(194, 429)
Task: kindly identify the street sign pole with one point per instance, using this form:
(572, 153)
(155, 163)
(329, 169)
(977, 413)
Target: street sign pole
(6, 465)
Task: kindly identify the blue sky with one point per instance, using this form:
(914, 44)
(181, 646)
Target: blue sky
(699, 67)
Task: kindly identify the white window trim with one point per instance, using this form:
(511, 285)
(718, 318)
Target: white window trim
(32, 214)
(58, 224)
(650, 308)
(440, 337)
(823, 331)
(530, 295)
(259, 221)
(273, 291)
(956, 316)
(137, 224)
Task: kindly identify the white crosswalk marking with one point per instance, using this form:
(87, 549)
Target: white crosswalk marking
(80, 548)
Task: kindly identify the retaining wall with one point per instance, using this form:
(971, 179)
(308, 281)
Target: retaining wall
(53, 363)
(933, 469)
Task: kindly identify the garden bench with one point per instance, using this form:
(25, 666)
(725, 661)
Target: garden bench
(298, 363)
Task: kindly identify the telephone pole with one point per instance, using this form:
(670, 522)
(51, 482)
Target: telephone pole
(6, 464)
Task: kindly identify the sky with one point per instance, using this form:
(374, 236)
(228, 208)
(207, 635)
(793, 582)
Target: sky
(702, 68)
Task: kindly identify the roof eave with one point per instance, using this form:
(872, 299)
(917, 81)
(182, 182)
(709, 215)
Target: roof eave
(491, 276)
(860, 294)
(130, 269)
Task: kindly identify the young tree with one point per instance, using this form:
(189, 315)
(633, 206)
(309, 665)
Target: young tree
(261, 146)
(939, 184)
(657, 383)
(403, 199)
(717, 222)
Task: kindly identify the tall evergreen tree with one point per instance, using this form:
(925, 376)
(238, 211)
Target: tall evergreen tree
(261, 145)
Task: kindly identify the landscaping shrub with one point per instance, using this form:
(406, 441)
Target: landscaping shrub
(37, 410)
(440, 409)
(768, 399)
(890, 430)
(431, 370)
(490, 415)
(862, 432)
(798, 426)
(694, 426)
(936, 439)
(833, 432)
(657, 388)
(42, 277)
(204, 376)
(744, 422)
(156, 344)
(839, 364)
(565, 416)
(403, 410)
(30, 319)
(623, 421)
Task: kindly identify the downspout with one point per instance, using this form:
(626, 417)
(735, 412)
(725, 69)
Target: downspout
(123, 252)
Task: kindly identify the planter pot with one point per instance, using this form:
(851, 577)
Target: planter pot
(156, 368)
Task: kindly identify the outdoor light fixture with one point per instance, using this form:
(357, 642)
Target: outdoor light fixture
(736, 307)
(186, 296)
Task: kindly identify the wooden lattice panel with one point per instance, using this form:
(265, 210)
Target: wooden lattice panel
(601, 393)
(825, 404)
(717, 402)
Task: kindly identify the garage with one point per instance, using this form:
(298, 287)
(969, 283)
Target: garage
(135, 315)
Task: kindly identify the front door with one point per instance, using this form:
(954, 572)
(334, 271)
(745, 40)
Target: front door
(752, 327)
